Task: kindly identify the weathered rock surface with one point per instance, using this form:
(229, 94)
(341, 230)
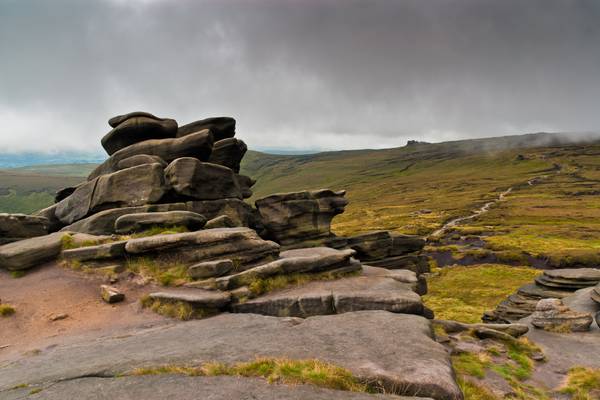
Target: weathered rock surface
(210, 269)
(228, 153)
(316, 259)
(98, 252)
(103, 222)
(241, 244)
(222, 221)
(136, 186)
(417, 263)
(203, 299)
(138, 222)
(138, 129)
(15, 227)
(140, 159)
(553, 314)
(300, 216)
(198, 145)
(371, 246)
(54, 224)
(514, 330)
(241, 213)
(191, 178)
(160, 387)
(245, 183)
(376, 350)
(570, 279)
(115, 121)
(595, 293)
(28, 253)
(220, 127)
(356, 293)
(64, 193)
(110, 294)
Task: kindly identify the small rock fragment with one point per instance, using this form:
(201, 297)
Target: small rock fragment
(57, 317)
(111, 294)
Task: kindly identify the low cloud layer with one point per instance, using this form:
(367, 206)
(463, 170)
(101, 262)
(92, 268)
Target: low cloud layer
(299, 74)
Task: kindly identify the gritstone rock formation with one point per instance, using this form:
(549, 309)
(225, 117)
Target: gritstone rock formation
(171, 200)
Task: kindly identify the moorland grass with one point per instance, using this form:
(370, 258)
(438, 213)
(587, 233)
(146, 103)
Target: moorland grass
(274, 370)
(582, 383)
(463, 293)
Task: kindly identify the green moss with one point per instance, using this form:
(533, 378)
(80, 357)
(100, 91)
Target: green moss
(6, 310)
(175, 309)
(274, 370)
(160, 230)
(473, 391)
(464, 293)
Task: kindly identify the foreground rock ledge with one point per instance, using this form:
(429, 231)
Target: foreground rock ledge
(395, 349)
(160, 387)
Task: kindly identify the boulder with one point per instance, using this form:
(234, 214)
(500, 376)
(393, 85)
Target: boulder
(404, 244)
(15, 227)
(115, 121)
(64, 193)
(140, 159)
(242, 245)
(570, 278)
(222, 221)
(198, 180)
(138, 129)
(54, 224)
(138, 222)
(197, 298)
(318, 259)
(372, 245)
(552, 314)
(103, 222)
(198, 145)
(135, 186)
(397, 350)
(595, 293)
(210, 269)
(300, 216)
(29, 253)
(228, 153)
(220, 127)
(110, 294)
(240, 212)
(245, 183)
(97, 252)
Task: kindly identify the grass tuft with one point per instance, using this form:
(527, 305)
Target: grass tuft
(6, 310)
(164, 272)
(261, 286)
(175, 309)
(274, 370)
(582, 383)
(18, 274)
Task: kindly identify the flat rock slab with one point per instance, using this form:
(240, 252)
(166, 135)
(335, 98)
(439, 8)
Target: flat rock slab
(16, 226)
(141, 221)
(197, 297)
(160, 387)
(28, 253)
(576, 274)
(98, 252)
(395, 349)
(337, 297)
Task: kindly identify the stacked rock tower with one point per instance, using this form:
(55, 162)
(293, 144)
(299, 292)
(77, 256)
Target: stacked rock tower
(156, 166)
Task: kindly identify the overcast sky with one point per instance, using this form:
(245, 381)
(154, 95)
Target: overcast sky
(299, 74)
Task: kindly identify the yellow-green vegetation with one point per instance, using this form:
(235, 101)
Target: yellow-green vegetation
(515, 368)
(165, 272)
(6, 310)
(68, 242)
(463, 293)
(261, 286)
(18, 274)
(582, 383)
(175, 309)
(274, 370)
(159, 230)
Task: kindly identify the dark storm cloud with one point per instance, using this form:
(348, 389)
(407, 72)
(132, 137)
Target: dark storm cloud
(299, 74)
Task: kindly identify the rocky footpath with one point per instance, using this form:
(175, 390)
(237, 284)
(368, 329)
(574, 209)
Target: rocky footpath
(168, 208)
